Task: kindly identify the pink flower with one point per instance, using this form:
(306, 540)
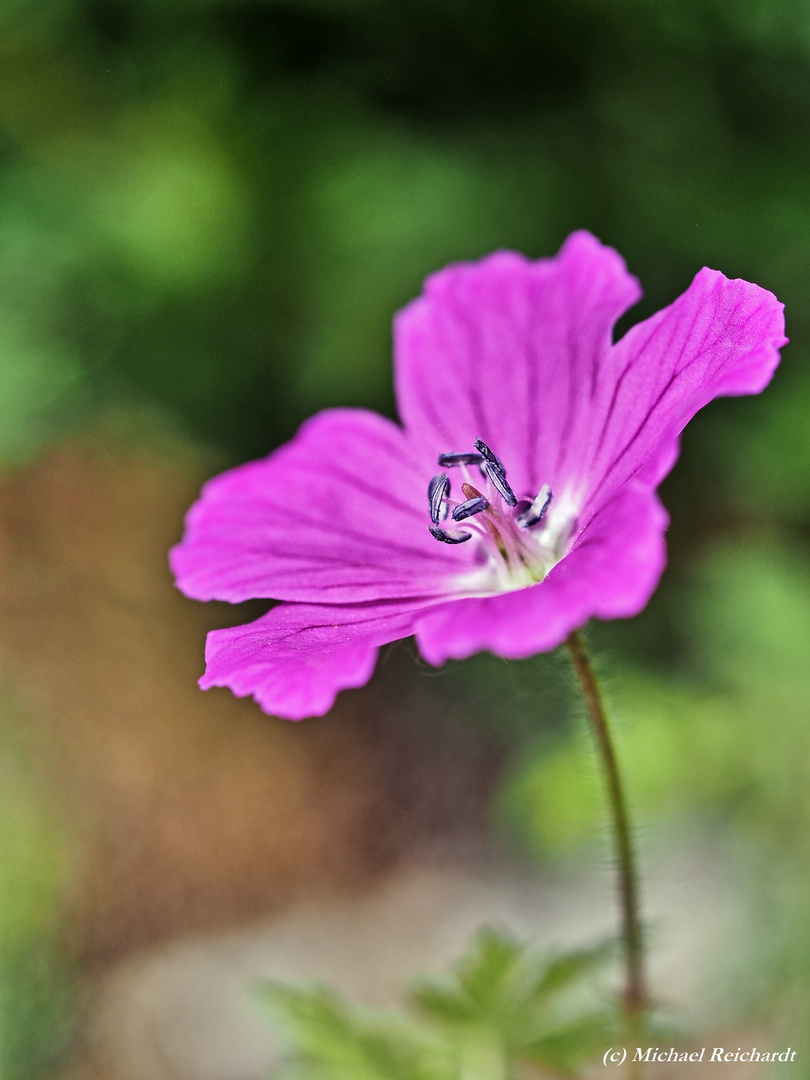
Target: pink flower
(516, 501)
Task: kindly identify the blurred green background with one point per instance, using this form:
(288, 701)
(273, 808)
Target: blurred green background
(209, 211)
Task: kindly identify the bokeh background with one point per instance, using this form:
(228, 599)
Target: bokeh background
(209, 211)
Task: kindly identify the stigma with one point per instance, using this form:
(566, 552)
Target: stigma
(510, 532)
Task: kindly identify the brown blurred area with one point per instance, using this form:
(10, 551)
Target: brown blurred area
(191, 810)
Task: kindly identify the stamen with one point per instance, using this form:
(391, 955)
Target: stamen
(438, 493)
(510, 558)
(499, 483)
(470, 507)
(446, 537)
(446, 461)
(536, 510)
(488, 456)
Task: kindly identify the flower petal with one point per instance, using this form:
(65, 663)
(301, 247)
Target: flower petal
(295, 659)
(610, 573)
(296, 687)
(339, 514)
(721, 337)
(505, 349)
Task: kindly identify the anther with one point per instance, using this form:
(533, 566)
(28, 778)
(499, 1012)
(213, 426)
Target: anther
(438, 492)
(446, 461)
(536, 510)
(489, 457)
(446, 537)
(499, 483)
(470, 507)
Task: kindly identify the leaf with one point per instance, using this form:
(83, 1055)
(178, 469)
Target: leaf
(500, 1007)
(532, 1005)
(569, 967)
(334, 1040)
(480, 984)
(568, 1047)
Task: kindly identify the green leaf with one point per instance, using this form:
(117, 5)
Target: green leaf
(499, 1008)
(481, 984)
(567, 968)
(334, 1040)
(566, 1048)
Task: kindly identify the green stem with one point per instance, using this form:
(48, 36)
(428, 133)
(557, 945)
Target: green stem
(635, 995)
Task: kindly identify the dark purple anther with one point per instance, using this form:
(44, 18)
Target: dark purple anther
(446, 461)
(470, 507)
(500, 484)
(446, 537)
(438, 492)
(489, 457)
(535, 511)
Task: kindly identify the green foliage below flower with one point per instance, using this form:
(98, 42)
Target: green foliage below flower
(501, 1011)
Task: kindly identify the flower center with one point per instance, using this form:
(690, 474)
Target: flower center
(514, 539)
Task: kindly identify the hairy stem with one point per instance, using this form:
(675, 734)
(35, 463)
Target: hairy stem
(635, 995)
